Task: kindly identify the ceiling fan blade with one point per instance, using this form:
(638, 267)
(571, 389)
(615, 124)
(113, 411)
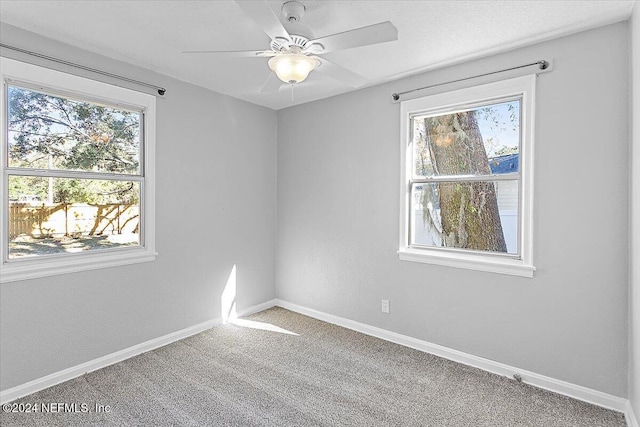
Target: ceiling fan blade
(272, 84)
(372, 34)
(340, 73)
(264, 16)
(236, 53)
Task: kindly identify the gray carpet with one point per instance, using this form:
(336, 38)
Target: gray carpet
(326, 375)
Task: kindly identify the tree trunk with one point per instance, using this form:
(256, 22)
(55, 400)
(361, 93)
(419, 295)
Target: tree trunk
(469, 210)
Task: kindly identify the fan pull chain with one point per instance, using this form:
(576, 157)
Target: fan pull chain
(291, 92)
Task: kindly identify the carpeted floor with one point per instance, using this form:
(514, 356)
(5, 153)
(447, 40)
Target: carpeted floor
(303, 372)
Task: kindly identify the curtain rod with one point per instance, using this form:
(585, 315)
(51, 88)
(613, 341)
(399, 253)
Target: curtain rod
(161, 90)
(542, 64)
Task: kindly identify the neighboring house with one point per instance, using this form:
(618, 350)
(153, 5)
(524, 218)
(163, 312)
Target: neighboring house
(507, 194)
(504, 164)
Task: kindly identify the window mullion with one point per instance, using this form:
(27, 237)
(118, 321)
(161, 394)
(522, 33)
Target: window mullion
(46, 173)
(467, 178)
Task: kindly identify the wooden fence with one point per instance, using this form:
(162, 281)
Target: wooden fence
(72, 219)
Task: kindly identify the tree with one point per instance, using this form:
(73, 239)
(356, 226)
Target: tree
(468, 210)
(51, 132)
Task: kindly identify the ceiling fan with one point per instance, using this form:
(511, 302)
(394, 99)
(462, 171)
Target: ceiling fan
(293, 56)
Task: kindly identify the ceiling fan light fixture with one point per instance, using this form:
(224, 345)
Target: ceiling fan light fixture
(293, 67)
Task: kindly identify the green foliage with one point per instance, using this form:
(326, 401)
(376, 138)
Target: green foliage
(94, 192)
(27, 185)
(56, 133)
(504, 150)
(67, 190)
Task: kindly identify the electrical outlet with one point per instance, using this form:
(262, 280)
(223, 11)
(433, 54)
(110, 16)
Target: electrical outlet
(385, 306)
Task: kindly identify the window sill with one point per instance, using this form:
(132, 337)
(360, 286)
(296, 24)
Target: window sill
(37, 267)
(512, 267)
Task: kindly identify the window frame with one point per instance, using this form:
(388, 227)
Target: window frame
(456, 100)
(29, 76)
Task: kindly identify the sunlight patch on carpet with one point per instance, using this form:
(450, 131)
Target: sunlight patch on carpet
(260, 325)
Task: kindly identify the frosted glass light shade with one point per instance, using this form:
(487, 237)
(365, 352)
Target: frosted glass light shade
(293, 67)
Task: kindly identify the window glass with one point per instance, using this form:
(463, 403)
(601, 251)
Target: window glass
(451, 207)
(478, 215)
(84, 215)
(46, 131)
(466, 142)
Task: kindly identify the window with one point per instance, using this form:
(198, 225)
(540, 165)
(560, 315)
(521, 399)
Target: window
(467, 178)
(77, 188)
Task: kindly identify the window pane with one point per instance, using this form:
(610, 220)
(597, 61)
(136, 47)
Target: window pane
(479, 141)
(50, 132)
(479, 215)
(63, 215)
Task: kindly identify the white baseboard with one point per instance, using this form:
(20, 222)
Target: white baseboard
(101, 362)
(571, 390)
(557, 386)
(630, 417)
(256, 308)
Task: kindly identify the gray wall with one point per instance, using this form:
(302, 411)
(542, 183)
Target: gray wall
(634, 300)
(338, 163)
(216, 207)
(338, 197)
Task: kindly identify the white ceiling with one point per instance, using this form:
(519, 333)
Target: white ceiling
(431, 34)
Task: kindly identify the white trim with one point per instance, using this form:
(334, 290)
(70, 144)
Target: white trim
(74, 263)
(634, 218)
(104, 361)
(470, 262)
(571, 390)
(71, 85)
(630, 416)
(451, 101)
(557, 386)
(257, 308)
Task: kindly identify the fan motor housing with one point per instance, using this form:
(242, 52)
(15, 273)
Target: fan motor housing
(283, 44)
